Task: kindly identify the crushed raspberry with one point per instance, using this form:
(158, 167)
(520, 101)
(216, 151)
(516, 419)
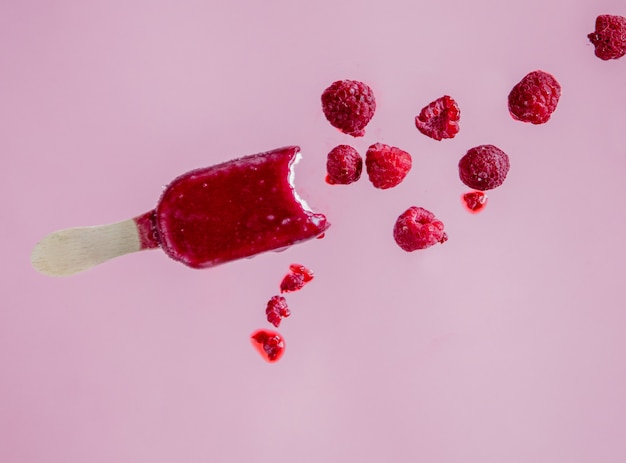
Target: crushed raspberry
(439, 119)
(484, 167)
(474, 201)
(344, 165)
(534, 98)
(269, 344)
(387, 165)
(418, 228)
(609, 38)
(276, 310)
(349, 105)
(297, 277)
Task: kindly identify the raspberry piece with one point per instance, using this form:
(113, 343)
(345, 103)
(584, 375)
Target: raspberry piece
(474, 201)
(276, 310)
(534, 98)
(344, 165)
(439, 119)
(297, 277)
(484, 167)
(387, 165)
(609, 38)
(349, 105)
(269, 344)
(417, 228)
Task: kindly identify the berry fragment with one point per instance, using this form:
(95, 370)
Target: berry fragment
(276, 310)
(609, 38)
(343, 165)
(349, 105)
(475, 201)
(297, 277)
(269, 344)
(439, 119)
(534, 98)
(417, 228)
(387, 165)
(484, 167)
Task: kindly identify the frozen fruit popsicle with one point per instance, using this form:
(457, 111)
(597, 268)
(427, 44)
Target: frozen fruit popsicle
(204, 218)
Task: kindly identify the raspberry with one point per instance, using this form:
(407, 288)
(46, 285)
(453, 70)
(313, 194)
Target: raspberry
(269, 344)
(387, 165)
(484, 167)
(474, 201)
(297, 277)
(534, 98)
(349, 105)
(276, 310)
(344, 165)
(609, 38)
(440, 119)
(418, 228)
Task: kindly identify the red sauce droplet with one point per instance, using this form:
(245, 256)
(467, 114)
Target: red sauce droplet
(474, 201)
(269, 344)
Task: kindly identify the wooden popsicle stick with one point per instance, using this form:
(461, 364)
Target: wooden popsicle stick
(73, 250)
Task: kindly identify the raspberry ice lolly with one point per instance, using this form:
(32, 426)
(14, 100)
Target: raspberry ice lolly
(204, 218)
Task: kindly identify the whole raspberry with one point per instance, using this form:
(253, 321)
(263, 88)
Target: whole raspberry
(276, 310)
(609, 38)
(349, 105)
(484, 167)
(534, 98)
(440, 119)
(386, 165)
(343, 165)
(417, 228)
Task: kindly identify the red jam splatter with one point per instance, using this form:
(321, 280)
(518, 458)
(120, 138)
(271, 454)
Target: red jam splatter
(269, 344)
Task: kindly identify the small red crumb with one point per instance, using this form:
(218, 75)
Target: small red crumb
(269, 344)
(387, 166)
(349, 105)
(417, 228)
(609, 38)
(439, 119)
(343, 165)
(534, 98)
(297, 277)
(474, 201)
(484, 167)
(276, 310)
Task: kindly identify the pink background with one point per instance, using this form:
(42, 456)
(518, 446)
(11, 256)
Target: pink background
(505, 344)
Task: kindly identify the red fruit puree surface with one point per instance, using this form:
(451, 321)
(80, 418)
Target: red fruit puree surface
(269, 344)
(232, 210)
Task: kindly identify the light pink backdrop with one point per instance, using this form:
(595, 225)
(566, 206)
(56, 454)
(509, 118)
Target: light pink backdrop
(506, 344)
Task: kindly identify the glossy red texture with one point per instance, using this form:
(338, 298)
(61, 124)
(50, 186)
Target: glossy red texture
(344, 165)
(535, 98)
(269, 344)
(417, 228)
(295, 280)
(474, 201)
(233, 210)
(349, 105)
(439, 119)
(484, 167)
(387, 166)
(276, 310)
(609, 38)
